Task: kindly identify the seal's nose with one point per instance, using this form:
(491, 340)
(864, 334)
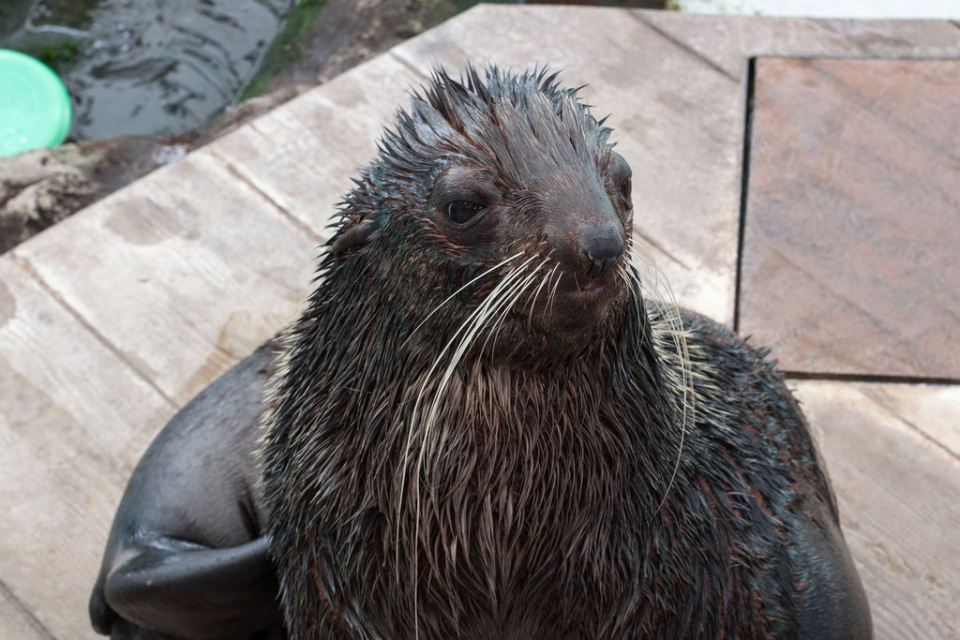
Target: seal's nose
(601, 246)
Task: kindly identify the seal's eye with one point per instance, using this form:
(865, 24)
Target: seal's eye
(462, 211)
(625, 189)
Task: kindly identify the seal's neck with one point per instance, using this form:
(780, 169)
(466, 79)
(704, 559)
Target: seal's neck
(480, 478)
(489, 427)
(515, 481)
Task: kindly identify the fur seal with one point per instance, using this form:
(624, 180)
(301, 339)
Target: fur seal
(481, 428)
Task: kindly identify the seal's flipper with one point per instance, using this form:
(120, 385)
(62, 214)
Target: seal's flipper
(186, 557)
(185, 590)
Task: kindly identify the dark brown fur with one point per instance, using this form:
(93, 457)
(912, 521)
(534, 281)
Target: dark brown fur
(560, 468)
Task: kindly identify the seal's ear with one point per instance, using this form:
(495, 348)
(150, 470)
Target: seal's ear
(357, 235)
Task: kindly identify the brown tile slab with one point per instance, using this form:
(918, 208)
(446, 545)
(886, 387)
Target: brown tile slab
(899, 498)
(850, 260)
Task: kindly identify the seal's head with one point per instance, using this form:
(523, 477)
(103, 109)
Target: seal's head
(499, 198)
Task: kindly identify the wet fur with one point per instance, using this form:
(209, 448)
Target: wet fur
(454, 451)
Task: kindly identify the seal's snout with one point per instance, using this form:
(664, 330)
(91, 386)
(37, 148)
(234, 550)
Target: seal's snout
(588, 242)
(602, 245)
(585, 233)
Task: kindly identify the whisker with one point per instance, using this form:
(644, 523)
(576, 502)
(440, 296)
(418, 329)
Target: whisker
(436, 362)
(536, 295)
(454, 294)
(494, 329)
(553, 293)
(485, 309)
(469, 327)
(667, 327)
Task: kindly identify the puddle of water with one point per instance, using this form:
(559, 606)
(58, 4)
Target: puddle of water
(147, 66)
(154, 67)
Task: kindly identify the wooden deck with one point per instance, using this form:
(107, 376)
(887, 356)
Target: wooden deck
(113, 319)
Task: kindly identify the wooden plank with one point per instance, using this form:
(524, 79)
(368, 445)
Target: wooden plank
(899, 497)
(728, 41)
(928, 408)
(304, 153)
(16, 624)
(850, 261)
(902, 39)
(676, 121)
(74, 419)
(184, 273)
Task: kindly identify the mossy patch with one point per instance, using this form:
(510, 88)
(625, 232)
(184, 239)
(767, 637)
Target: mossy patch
(57, 56)
(286, 48)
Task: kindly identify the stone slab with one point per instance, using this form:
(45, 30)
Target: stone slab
(74, 418)
(184, 273)
(899, 497)
(850, 260)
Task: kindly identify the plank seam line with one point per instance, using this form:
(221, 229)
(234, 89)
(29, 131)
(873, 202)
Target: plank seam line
(24, 264)
(745, 149)
(236, 173)
(15, 602)
(650, 241)
(923, 434)
(641, 17)
(870, 378)
(874, 379)
(410, 66)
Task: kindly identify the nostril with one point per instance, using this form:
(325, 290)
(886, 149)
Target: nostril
(602, 251)
(598, 266)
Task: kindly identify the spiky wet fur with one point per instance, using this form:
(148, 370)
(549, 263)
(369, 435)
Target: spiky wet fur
(438, 468)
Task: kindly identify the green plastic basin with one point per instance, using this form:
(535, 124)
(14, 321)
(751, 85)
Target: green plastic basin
(34, 105)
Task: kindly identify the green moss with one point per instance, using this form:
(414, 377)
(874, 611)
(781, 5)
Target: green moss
(463, 5)
(293, 42)
(57, 56)
(286, 48)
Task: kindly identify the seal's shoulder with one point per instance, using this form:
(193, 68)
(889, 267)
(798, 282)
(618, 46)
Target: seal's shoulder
(748, 430)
